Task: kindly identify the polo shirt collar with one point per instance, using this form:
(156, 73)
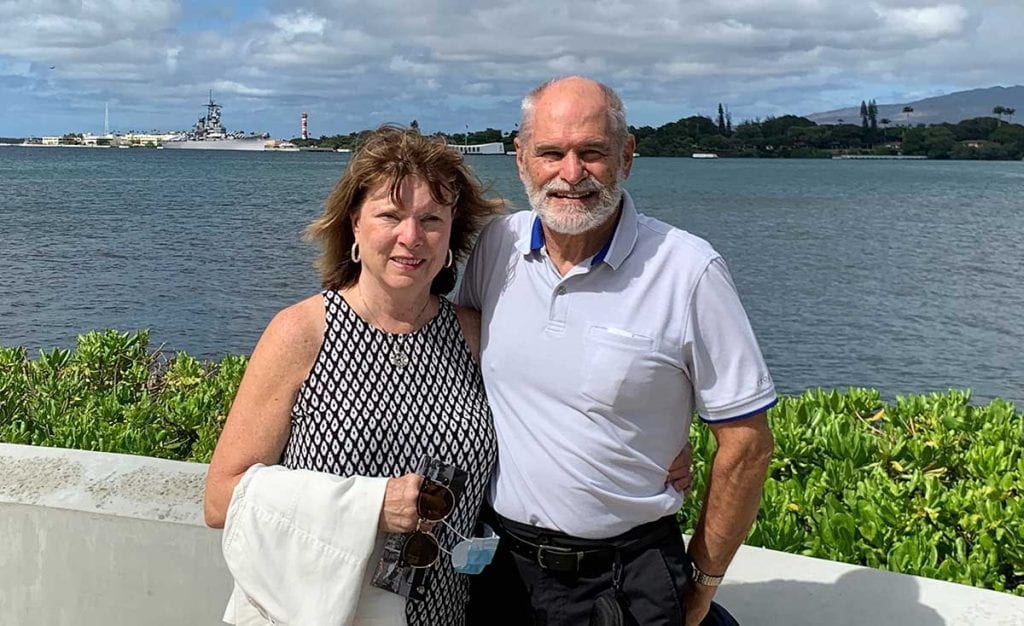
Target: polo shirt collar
(614, 251)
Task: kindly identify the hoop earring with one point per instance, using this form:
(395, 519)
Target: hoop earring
(451, 258)
(354, 253)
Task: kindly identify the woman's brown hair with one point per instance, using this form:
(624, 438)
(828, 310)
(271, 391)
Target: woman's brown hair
(387, 156)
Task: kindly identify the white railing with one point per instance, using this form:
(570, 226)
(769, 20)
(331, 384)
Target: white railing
(92, 538)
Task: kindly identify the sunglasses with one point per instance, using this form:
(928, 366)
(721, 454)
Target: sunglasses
(434, 503)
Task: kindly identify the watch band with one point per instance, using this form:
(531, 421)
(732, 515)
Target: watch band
(701, 578)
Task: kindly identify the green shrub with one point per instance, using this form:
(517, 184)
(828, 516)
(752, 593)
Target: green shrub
(928, 485)
(113, 394)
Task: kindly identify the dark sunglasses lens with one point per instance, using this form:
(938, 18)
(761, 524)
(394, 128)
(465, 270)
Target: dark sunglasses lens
(420, 550)
(435, 502)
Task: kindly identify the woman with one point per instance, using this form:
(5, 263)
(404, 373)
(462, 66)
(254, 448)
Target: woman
(379, 370)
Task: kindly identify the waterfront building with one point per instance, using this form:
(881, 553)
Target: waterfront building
(89, 139)
(495, 147)
(142, 139)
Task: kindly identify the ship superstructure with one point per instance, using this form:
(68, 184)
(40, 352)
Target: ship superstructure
(209, 134)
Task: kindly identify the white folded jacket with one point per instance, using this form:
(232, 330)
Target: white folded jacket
(302, 547)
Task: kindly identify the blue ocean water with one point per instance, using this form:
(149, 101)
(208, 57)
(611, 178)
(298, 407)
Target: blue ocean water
(905, 276)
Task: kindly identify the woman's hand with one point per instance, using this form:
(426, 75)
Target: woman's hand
(399, 513)
(680, 473)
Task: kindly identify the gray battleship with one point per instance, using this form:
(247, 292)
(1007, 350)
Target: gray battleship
(209, 134)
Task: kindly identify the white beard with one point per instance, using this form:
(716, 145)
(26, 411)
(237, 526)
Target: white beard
(571, 220)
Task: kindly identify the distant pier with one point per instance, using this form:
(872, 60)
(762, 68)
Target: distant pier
(877, 157)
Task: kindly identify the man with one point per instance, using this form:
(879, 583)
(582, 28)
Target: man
(603, 332)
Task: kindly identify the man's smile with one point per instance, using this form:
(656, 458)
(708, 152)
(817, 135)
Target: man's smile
(572, 195)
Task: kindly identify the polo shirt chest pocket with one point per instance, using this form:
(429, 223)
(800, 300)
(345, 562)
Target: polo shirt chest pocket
(616, 365)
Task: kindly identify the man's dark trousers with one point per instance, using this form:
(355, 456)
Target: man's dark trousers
(514, 589)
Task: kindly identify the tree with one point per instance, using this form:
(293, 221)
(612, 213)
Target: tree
(490, 135)
(908, 110)
(976, 128)
(863, 115)
(721, 119)
(414, 124)
(913, 141)
(885, 124)
(873, 114)
(1009, 113)
(1008, 134)
(998, 112)
(939, 142)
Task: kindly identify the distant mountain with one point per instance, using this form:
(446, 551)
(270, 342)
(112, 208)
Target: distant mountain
(954, 107)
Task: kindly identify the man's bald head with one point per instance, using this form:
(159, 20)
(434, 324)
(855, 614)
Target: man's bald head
(575, 87)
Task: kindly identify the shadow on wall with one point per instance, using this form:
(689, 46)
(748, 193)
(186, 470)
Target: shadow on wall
(856, 598)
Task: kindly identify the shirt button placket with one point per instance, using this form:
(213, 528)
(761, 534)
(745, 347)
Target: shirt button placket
(559, 308)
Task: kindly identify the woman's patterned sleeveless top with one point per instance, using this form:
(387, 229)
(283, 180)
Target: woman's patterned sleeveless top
(375, 403)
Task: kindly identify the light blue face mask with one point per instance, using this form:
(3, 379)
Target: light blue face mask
(473, 554)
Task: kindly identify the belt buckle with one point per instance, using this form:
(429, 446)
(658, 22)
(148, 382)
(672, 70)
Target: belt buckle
(559, 559)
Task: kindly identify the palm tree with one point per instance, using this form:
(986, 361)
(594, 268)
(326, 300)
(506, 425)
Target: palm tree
(884, 123)
(908, 110)
(998, 111)
(1009, 113)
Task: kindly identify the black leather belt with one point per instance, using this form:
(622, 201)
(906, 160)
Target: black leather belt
(573, 555)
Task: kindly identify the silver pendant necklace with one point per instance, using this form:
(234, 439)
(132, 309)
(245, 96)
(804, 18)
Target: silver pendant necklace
(398, 356)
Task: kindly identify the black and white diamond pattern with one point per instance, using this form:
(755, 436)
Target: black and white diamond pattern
(361, 412)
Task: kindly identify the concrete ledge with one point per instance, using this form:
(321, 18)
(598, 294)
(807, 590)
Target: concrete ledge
(95, 539)
(770, 587)
(116, 484)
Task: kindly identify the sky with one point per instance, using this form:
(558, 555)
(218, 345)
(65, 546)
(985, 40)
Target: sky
(453, 64)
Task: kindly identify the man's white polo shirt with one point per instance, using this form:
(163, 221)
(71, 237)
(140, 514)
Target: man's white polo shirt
(593, 376)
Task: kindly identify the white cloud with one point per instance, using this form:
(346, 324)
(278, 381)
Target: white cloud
(356, 63)
(932, 22)
(299, 23)
(62, 28)
(403, 65)
(478, 88)
(232, 87)
(171, 56)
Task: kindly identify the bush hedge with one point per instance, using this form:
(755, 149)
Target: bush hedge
(927, 485)
(114, 394)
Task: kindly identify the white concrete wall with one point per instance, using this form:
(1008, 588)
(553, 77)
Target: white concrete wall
(769, 587)
(90, 539)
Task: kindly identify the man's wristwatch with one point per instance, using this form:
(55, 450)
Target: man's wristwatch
(701, 578)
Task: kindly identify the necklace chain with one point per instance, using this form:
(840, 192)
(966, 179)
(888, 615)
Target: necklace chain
(398, 356)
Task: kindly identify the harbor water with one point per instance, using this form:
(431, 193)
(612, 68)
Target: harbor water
(906, 276)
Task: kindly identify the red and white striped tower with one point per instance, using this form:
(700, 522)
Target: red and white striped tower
(305, 126)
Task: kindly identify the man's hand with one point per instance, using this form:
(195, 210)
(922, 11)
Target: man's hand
(680, 473)
(697, 601)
